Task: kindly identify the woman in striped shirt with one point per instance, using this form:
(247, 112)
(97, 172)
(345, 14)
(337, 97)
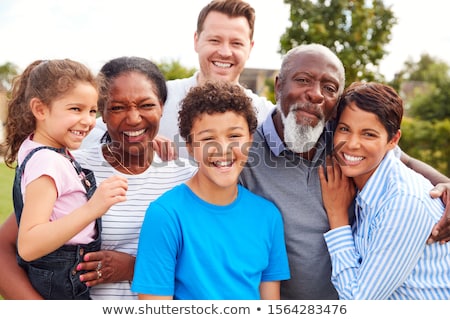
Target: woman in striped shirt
(131, 103)
(383, 254)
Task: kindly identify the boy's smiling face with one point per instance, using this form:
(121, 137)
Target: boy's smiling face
(220, 144)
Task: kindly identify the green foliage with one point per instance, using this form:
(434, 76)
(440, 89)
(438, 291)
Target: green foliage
(430, 99)
(427, 141)
(356, 31)
(6, 181)
(7, 73)
(425, 87)
(427, 69)
(270, 92)
(433, 105)
(174, 70)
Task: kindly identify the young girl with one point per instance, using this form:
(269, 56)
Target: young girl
(383, 255)
(53, 107)
(210, 238)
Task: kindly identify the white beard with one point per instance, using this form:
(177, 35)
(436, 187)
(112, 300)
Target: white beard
(300, 138)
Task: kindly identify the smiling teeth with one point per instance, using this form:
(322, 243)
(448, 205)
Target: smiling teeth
(222, 65)
(223, 163)
(134, 133)
(352, 158)
(78, 133)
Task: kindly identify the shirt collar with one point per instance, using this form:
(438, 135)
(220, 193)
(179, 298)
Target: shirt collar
(271, 136)
(277, 146)
(369, 195)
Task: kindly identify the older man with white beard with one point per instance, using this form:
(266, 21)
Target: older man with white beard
(282, 167)
(302, 133)
(288, 148)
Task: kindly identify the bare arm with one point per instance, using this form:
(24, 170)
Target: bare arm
(424, 169)
(153, 297)
(14, 283)
(38, 236)
(270, 290)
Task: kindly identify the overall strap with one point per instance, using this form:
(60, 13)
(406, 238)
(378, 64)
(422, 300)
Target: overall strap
(17, 191)
(87, 178)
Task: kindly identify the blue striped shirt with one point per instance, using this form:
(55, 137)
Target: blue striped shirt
(384, 254)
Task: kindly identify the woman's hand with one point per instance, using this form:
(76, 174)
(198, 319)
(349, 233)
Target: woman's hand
(165, 149)
(338, 192)
(441, 231)
(106, 266)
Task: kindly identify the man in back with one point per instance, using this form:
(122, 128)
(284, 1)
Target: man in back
(223, 41)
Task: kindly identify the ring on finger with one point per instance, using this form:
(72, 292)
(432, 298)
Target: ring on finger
(99, 266)
(99, 274)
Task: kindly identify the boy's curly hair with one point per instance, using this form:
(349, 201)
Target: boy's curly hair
(214, 97)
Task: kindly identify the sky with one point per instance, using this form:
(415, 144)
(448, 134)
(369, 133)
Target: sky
(94, 31)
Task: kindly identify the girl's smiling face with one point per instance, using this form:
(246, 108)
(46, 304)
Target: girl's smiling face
(361, 142)
(67, 121)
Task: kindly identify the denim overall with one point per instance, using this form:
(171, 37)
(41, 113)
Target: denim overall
(55, 276)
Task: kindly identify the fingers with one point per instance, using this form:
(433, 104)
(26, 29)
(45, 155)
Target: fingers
(334, 173)
(112, 190)
(437, 191)
(92, 278)
(440, 190)
(322, 177)
(441, 231)
(93, 274)
(321, 171)
(90, 265)
(441, 238)
(116, 181)
(164, 148)
(94, 267)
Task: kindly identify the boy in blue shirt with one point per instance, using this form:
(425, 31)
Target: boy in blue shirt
(211, 238)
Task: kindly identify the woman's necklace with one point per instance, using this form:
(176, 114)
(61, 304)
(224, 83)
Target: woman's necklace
(117, 160)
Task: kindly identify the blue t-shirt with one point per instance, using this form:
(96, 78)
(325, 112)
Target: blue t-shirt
(191, 249)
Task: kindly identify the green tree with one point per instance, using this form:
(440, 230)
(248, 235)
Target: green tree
(270, 91)
(7, 73)
(428, 80)
(425, 88)
(427, 141)
(174, 70)
(434, 105)
(355, 30)
(428, 69)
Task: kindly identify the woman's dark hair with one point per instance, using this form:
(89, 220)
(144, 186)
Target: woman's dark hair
(377, 98)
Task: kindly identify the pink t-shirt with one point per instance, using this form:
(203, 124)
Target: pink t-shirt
(71, 192)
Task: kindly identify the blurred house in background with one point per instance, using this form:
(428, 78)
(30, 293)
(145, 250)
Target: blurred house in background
(256, 80)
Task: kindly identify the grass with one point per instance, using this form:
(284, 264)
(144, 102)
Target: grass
(6, 181)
